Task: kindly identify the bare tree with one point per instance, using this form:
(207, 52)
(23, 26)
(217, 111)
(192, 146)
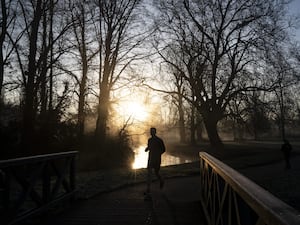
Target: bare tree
(286, 76)
(83, 52)
(117, 38)
(37, 47)
(174, 89)
(6, 20)
(29, 114)
(222, 42)
(179, 102)
(2, 39)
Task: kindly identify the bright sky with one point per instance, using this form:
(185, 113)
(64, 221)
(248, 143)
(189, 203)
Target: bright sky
(295, 9)
(137, 110)
(295, 6)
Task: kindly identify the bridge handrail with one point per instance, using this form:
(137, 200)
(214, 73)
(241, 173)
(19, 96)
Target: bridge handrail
(30, 185)
(33, 159)
(221, 185)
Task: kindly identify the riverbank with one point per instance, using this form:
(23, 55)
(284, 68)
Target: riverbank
(260, 161)
(92, 183)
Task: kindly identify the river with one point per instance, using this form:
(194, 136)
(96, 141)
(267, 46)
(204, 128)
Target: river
(141, 158)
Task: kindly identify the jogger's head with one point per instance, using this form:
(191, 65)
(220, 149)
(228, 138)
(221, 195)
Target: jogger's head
(152, 131)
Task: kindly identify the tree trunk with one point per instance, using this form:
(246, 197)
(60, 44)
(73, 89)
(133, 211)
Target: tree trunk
(102, 114)
(82, 92)
(1, 74)
(181, 121)
(193, 126)
(2, 39)
(30, 89)
(211, 125)
(282, 116)
(81, 103)
(82, 47)
(43, 73)
(104, 94)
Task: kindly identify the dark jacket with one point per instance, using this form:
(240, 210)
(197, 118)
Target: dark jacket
(156, 147)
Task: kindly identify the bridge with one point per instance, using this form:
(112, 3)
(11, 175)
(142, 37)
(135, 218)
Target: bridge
(31, 188)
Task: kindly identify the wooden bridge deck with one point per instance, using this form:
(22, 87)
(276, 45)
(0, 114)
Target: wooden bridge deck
(178, 203)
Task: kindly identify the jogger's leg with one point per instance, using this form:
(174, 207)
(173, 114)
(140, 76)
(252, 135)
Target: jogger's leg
(161, 181)
(149, 179)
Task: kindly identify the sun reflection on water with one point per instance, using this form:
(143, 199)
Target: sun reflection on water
(141, 159)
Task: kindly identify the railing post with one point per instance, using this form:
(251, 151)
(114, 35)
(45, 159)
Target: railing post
(73, 175)
(46, 183)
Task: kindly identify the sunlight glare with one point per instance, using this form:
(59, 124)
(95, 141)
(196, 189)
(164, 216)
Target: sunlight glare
(136, 110)
(140, 158)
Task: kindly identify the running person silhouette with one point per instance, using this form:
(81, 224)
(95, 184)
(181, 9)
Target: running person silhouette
(156, 148)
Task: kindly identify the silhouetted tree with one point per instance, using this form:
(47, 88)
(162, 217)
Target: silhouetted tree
(37, 47)
(221, 42)
(285, 76)
(174, 88)
(7, 17)
(257, 110)
(178, 100)
(180, 106)
(117, 38)
(30, 89)
(83, 51)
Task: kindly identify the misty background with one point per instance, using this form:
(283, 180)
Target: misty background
(94, 76)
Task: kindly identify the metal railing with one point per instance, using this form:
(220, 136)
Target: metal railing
(229, 198)
(30, 185)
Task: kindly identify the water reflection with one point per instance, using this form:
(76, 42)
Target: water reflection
(141, 159)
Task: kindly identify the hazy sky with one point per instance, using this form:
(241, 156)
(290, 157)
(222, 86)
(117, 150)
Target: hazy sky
(295, 6)
(295, 9)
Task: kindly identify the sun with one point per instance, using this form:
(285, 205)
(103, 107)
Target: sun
(133, 110)
(136, 111)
